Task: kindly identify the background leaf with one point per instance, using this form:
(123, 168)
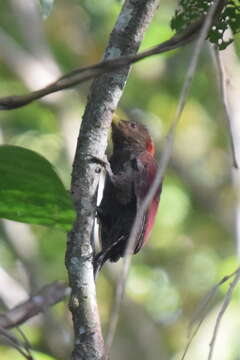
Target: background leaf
(31, 191)
(191, 10)
(194, 226)
(13, 354)
(46, 7)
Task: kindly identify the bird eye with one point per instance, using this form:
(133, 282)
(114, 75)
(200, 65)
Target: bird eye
(133, 125)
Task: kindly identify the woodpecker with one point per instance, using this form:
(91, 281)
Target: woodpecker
(128, 179)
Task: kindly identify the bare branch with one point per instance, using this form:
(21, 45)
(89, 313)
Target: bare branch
(83, 74)
(224, 307)
(105, 93)
(16, 344)
(207, 299)
(229, 70)
(47, 296)
(201, 311)
(166, 153)
(224, 97)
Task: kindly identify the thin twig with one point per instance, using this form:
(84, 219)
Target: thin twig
(15, 343)
(198, 315)
(47, 296)
(207, 299)
(103, 99)
(223, 93)
(203, 308)
(167, 150)
(83, 74)
(26, 342)
(224, 307)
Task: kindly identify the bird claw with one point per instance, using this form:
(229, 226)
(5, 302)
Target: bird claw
(104, 163)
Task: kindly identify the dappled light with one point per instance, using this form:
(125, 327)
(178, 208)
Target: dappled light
(195, 240)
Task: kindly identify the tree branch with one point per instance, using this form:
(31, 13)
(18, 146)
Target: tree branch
(224, 307)
(165, 158)
(228, 69)
(21, 347)
(47, 296)
(202, 310)
(104, 95)
(115, 60)
(223, 89)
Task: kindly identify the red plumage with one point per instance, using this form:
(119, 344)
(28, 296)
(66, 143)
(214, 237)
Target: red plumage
(133, 169)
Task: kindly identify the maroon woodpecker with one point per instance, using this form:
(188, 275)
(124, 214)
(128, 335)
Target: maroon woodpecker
(133, 168)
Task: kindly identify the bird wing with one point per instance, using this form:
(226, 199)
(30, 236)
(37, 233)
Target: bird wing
(145, 174)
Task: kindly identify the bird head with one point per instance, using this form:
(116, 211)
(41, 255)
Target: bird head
(131, 135)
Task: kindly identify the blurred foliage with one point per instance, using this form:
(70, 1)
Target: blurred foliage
(11, 354)
(193, 243)
(46, 7)
(189, 11)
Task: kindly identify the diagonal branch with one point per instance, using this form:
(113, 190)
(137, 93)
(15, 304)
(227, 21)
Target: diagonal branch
(224, 307)
(223, 89)
(166, 154)
(200, 315)
(13, 341)
(108, 65)
(104, 95)
(47, 296)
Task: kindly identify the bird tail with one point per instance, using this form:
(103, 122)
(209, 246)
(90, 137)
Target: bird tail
(102, 257)
(99, 261)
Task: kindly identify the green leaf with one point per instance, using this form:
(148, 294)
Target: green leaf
(41, 356)
(191, 10)
(31, 191)
(46, 7)
(12, 354)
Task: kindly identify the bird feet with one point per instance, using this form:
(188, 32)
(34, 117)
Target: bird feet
(104, 163)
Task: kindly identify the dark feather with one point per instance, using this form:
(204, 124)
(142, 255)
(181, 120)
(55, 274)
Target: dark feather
(133, 170)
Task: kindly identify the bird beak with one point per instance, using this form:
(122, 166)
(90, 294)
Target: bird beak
(116, 120)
